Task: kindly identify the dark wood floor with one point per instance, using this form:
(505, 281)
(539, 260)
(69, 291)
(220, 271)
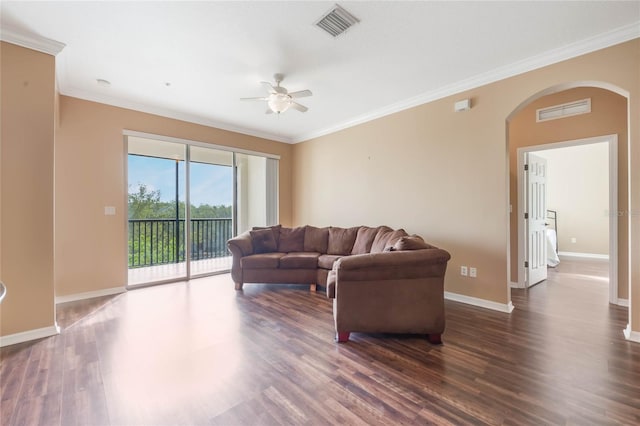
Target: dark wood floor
(201, 353)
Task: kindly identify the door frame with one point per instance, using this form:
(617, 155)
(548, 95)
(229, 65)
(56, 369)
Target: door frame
(612, 141)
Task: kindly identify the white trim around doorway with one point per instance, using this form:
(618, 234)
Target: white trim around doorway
(612, 141)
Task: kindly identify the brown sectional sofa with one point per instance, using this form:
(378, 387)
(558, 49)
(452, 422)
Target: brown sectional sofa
(380, 279)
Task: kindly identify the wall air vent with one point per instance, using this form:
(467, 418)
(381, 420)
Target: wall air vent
(565, 110)
(336, 21)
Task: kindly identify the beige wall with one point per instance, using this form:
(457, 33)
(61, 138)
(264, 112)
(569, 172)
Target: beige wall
(90, 160)
(608, 116)
(578, 190)
(426, 169)
(444, 174)
(26, 216)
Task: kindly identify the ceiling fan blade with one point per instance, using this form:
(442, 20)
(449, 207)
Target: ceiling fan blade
(299, 107)
(254, 99)
(269, 111)
(269, 87)
(301, 94)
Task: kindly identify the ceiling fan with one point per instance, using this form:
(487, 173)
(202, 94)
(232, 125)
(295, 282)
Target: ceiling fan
(280, 99)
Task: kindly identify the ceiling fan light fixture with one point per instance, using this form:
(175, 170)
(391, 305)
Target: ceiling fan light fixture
(279, 98)
(279, 102)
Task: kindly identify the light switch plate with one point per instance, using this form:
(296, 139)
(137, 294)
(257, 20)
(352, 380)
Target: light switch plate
(109, 211)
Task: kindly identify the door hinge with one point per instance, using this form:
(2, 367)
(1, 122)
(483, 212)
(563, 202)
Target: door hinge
(526, 167)
(526, 264)
(526, 215)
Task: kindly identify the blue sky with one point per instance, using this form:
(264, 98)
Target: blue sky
(209, 184)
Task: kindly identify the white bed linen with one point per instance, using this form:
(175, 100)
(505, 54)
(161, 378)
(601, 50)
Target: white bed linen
(552, 256)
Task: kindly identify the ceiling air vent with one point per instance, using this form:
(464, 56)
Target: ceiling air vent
(565, 110)
(336, 21)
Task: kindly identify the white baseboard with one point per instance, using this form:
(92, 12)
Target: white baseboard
(25, 336)
(633, 336)
(90, 294)
(623, 302)
(514, 285)
(585, 255)
(483, 303)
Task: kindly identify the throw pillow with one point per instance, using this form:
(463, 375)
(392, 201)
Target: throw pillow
(384, 235)
(291, 239)
(275, 229)
(316, 239)
(263, 241)
(341, 240)
(413, 242)
(395, 236)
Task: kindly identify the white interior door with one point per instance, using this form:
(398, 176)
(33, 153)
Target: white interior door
(535, 218)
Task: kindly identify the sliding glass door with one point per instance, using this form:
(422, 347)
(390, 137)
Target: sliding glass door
(186, 200)
(156, 211)
(211, 209)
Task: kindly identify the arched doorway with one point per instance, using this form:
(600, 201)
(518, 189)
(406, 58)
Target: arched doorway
(599, 123)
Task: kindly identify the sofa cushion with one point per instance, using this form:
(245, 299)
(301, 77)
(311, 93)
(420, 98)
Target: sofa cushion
(385, 239)
(377, 246)
(364, 240)
(325, 261)
(291, 239)
(263, 241)
(300, 260)
(413, 242)
(316, 239)
(275, 229)
(261, 261)
(341, 240)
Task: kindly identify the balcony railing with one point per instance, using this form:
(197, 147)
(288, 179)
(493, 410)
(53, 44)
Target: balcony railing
(161, 241)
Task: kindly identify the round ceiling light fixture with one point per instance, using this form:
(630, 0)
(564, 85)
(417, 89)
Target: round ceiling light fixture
(279, 102)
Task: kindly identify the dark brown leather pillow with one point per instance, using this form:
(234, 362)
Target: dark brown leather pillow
(316, 239)
(291, 239)
(341, 240)
(413, 242)
(263, 241)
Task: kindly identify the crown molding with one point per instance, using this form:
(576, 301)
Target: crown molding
(31, 41)
(168, 113)
(601, 41)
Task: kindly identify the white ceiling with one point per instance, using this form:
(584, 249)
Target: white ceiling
(401, 54)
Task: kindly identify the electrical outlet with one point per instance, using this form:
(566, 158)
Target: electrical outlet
(473, 272)
(463, 271)
(574, 240)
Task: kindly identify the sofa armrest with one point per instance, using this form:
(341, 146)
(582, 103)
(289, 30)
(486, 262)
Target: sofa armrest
(241, 244)
(388, 267)
(392, 258)
(239, 247)
(392, 265)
